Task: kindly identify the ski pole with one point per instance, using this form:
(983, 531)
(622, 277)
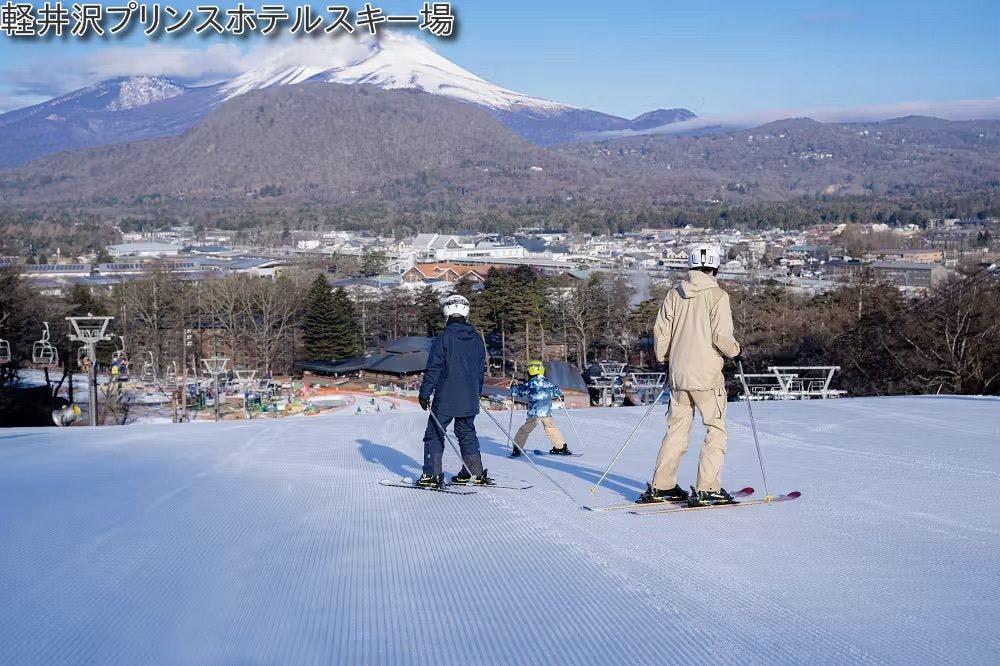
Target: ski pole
(753, 428)
(628, 439)
(454, 446)
(572, 424)
(510, 421)
(528, 458)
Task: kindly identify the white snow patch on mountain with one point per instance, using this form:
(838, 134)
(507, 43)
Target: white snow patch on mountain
(389, 62)
(272, 542)
(142, 90)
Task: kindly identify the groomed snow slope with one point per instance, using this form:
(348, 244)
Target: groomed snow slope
(271, 542)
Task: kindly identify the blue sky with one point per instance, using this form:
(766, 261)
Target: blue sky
(629, 57)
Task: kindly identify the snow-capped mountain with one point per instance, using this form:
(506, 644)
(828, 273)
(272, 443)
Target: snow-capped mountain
(111, 112)
(120, 94)
(143, 90)
(144, 107)
(389, 62)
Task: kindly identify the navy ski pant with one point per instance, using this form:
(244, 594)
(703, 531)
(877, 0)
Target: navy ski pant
(465, 431)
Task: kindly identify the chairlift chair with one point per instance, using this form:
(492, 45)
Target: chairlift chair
(173, 379)
(82, 357)
(148, 370)
(4, 345)
(42, 351)
(119, 360)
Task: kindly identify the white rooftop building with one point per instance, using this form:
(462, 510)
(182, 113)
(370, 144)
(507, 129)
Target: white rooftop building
(444, 247)
(144, 250)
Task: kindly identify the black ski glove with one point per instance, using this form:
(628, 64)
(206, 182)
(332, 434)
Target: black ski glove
(424, 402)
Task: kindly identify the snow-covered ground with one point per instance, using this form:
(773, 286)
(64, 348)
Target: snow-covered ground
(271, 542)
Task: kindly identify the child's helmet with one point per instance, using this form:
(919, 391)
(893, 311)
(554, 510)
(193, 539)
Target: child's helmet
(535, 368)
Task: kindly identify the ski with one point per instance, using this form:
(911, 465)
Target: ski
(403, 484)
(780, 498)
(635, 506)
(539, 452)
(495, 485)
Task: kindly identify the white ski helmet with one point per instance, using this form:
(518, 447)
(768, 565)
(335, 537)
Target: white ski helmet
(704, 255)
(456, 304)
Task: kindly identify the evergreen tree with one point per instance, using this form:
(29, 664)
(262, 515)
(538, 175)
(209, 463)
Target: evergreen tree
(429, 311)
(319, 327)
(374, 262)
(345, 326)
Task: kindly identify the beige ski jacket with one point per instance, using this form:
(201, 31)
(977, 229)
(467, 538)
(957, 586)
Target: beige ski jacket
(695, 329)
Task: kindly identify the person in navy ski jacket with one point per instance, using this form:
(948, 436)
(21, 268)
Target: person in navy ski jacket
(539, 393)
(454, 377)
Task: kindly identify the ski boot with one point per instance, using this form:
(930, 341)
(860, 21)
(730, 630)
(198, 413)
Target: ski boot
(564, 451)
(430, 481)
(462, 477)
(654, 495)
(709, 497)
(516, 452)
(483, 480)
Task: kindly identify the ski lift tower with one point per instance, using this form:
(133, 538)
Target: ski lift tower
(90, 330)
(215, 366)
(244, 378)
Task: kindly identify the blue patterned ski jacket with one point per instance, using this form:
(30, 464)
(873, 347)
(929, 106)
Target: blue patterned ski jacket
(539, 391)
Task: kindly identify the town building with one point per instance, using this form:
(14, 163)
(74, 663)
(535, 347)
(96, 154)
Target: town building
(148, 250)
(445, 247)
(919, 256)
(909, 274)
(449, 272)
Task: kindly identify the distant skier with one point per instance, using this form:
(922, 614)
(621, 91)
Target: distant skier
(539, 391)
(454, 376)
(694, 329)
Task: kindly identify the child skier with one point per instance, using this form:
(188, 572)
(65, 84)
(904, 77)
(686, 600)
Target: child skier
(539, 391)
(694, 328)
(454, 376)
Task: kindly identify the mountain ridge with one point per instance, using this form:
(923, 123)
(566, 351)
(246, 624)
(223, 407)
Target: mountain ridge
(410, 148)
(159, 106)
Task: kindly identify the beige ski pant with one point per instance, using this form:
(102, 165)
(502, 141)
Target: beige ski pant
(551, 431)
(712, 407)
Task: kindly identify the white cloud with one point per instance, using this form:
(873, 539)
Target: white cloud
(327, 53)
(24, 85)
(195, 65)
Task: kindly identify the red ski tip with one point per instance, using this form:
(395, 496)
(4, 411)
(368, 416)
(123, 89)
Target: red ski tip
(745, 491)
(794, 494)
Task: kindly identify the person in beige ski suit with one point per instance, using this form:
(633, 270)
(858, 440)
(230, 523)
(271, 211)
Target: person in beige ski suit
(693, 332)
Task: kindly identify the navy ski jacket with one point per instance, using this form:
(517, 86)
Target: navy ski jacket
(455, 368)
